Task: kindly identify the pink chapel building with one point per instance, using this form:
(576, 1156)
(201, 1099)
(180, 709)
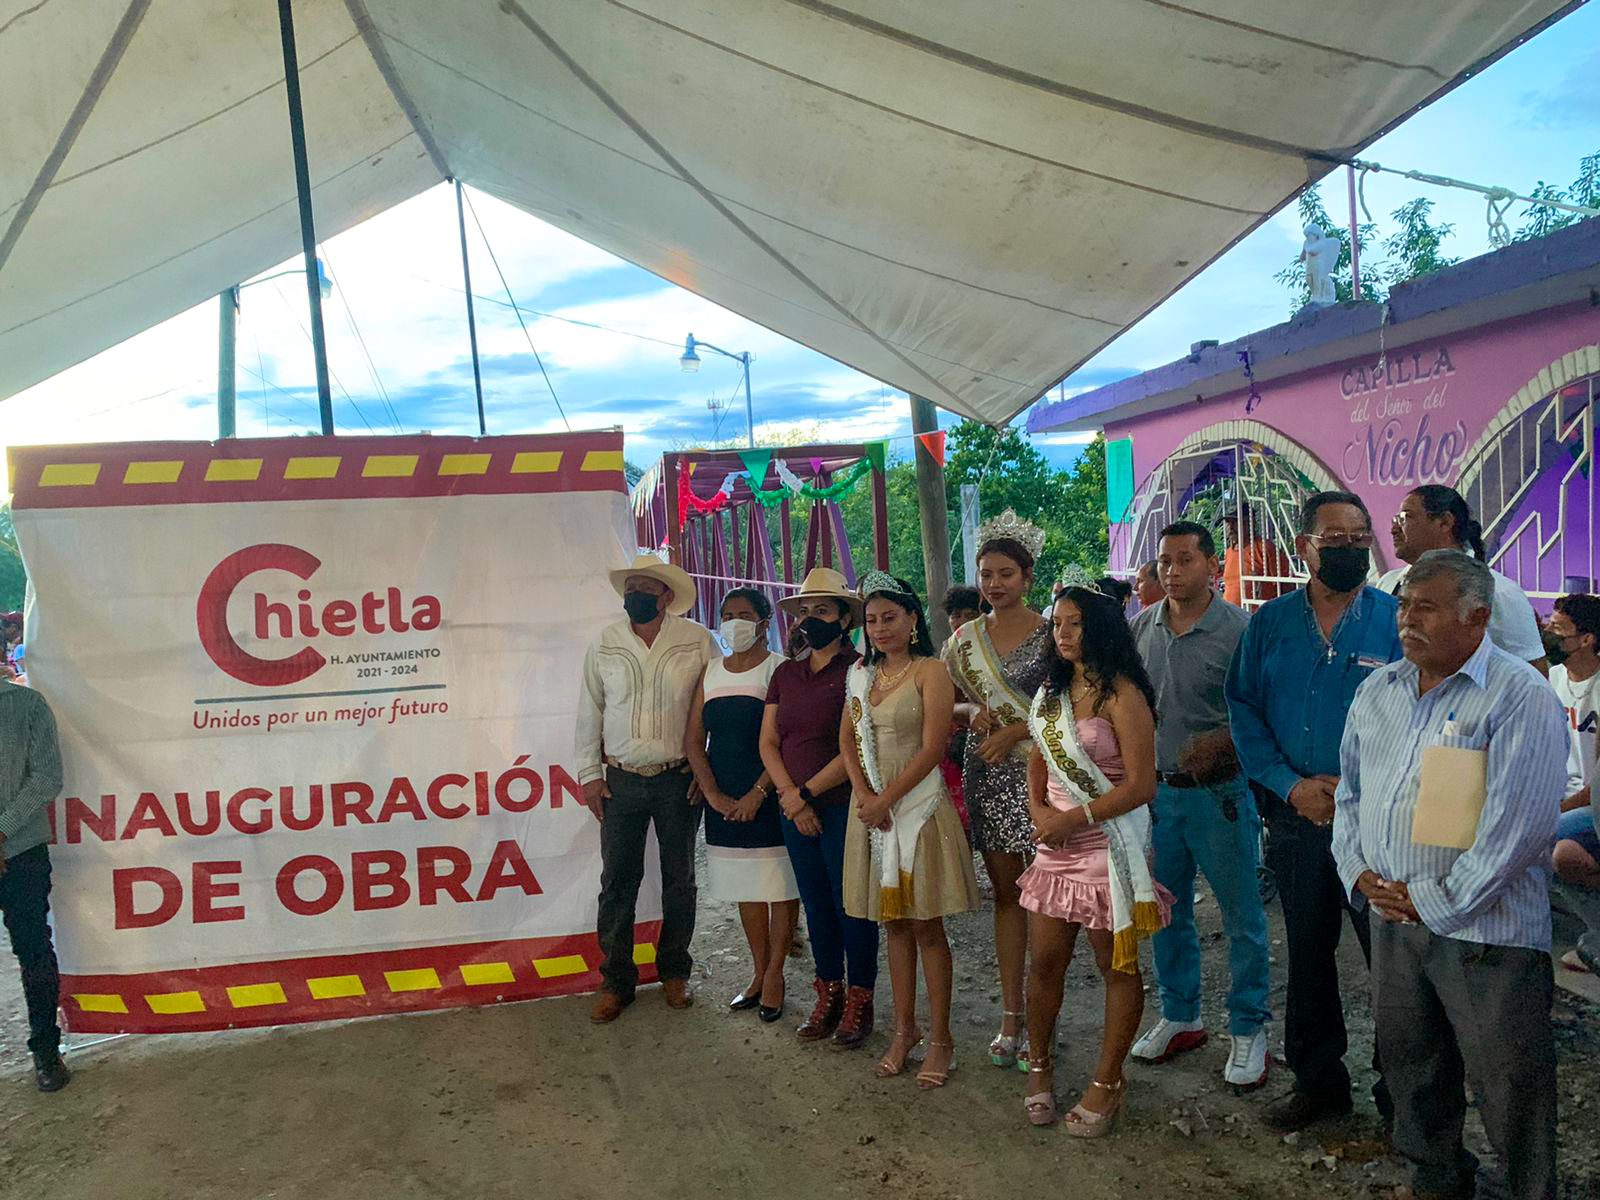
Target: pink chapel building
(1484, 376)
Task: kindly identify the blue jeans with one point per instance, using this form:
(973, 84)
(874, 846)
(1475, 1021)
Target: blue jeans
(1577, 825)
(837, 938)
(1192, 829)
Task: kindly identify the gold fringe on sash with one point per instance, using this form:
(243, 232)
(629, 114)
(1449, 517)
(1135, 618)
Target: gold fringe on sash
(895, 903)
(1125, 942)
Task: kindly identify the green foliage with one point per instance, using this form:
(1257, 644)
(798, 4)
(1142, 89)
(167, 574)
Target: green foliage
(13, 579)
(631, 472)
(1537, 220)
(1414, 249)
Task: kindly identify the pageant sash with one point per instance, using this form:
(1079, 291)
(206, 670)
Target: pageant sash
(980, 672)
(896, 847)
(1134, 912)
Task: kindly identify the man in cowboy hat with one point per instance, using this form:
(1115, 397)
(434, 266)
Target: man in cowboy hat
(638, 681)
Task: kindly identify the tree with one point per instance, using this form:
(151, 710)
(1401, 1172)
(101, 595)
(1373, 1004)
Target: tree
(1539, 220)
(13, 578)
(1413, 250)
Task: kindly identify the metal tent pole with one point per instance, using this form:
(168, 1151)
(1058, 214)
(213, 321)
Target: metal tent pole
(472, 320)
(308, 230)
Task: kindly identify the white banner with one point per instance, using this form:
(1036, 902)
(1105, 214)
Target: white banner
(316, 706)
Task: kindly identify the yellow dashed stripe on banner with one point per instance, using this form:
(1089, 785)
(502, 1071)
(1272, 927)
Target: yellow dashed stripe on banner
(69, 475)
(477, 974)
(335, 987)
(389, 466)
(643, 954)
(153, 472)
(465, 464)
(254, 995)
(105, 1004)
(312, 467)
(603, 460)
(565, 964)
(425, 979)
(536, 462)
(176, 1002)
(233, 470)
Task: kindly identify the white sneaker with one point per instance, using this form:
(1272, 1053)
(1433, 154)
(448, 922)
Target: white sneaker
(1168, 1039)
(1247, 1061)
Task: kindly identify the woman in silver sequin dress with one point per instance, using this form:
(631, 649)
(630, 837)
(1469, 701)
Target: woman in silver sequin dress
(997, 664)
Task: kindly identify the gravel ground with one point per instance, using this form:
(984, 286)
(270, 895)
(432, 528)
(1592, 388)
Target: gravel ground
(530, 1099)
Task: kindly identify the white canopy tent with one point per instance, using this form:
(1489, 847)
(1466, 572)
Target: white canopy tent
(964, 200)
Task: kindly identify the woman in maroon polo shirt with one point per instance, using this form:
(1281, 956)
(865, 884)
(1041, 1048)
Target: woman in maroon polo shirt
(800, 749)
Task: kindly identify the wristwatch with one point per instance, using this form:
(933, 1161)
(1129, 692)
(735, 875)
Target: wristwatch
(805, 794)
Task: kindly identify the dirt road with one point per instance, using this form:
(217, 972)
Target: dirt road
(531, 1100)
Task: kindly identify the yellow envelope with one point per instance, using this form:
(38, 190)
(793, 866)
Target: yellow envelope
(1450, 797)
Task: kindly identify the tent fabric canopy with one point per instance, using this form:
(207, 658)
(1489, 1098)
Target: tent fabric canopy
(963, 200)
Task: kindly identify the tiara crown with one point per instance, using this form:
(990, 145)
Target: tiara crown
(874, 582)
(1076, 575)
(1009, 525)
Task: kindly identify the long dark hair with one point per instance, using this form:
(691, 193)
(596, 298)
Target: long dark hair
(1438, 500)
(921, 639)
(1108, 649)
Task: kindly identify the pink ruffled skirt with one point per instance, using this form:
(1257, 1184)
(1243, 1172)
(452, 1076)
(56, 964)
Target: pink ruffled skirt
(1074, 883)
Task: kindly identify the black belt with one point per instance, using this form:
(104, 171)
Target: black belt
(1182, 779)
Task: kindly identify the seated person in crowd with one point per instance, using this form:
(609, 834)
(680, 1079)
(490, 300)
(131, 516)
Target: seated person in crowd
(1571, 638)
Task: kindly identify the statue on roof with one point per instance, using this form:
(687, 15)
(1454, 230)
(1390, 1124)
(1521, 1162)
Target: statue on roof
(1321, 257)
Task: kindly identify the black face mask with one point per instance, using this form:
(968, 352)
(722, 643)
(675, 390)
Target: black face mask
(1344, 568)
(820, 634)
(642, 607)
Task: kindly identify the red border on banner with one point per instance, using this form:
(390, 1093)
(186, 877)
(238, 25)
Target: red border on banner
(252, 470)
(340, 986)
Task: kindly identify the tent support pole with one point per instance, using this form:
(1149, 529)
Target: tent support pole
(1355, 236)
(308, 230)
(472, 320)
(935, 519)
(227, 338)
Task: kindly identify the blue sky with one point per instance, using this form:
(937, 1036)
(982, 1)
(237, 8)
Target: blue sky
(611, 333)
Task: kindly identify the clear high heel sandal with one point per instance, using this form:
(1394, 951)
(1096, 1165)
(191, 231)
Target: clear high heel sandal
(1010, 1049)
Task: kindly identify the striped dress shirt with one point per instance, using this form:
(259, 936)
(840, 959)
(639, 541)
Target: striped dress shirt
(30, 768)
(1497, 892)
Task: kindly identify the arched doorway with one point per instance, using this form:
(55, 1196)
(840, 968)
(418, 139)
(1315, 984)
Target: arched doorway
(1530, 479)
(1239, 467)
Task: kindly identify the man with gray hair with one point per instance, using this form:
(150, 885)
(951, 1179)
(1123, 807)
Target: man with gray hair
(1461, 975)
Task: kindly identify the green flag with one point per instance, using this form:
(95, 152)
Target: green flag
(756, 462)
(877, 452)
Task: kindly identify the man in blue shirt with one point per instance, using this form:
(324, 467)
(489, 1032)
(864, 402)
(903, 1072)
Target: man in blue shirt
(1289, 687)
(1461, 978)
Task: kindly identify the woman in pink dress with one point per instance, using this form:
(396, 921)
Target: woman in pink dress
(1090, 780)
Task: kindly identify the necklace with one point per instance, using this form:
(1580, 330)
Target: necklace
(884, 682)
(1080, 697)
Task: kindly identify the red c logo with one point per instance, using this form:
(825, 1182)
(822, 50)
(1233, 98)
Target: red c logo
(211, 616)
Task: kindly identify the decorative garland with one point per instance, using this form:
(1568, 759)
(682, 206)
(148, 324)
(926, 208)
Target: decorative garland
(688, 501)
(792, 486)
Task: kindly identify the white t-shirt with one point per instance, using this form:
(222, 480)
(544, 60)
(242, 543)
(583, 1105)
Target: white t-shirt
(1511, 623)
(1579, 701)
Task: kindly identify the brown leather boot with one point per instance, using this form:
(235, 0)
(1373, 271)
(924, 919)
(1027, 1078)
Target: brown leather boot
(824, 1018)
(855, 1026)
(608, 1007)
(677, 993)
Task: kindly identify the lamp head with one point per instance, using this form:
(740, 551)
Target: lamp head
(690, 361)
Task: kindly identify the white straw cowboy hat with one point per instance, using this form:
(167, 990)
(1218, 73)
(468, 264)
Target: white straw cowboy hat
(675, 578)
(823, 581)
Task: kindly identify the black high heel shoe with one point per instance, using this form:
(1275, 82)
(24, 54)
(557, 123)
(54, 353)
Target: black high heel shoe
(747, 999)
(769, 1015)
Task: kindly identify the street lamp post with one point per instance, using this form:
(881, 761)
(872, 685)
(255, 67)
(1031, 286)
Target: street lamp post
(227, 337)
(690, 362)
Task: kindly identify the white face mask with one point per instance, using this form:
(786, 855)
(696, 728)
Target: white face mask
(739, 633)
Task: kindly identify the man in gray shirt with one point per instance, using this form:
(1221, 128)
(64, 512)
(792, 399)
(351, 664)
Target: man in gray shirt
(1204, 813)
(30, 777)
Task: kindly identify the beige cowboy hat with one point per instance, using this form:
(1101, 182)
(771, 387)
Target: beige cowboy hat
(823, 581)
(675, 578)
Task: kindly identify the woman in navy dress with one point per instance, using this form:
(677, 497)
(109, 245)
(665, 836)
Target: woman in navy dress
(745, 855)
